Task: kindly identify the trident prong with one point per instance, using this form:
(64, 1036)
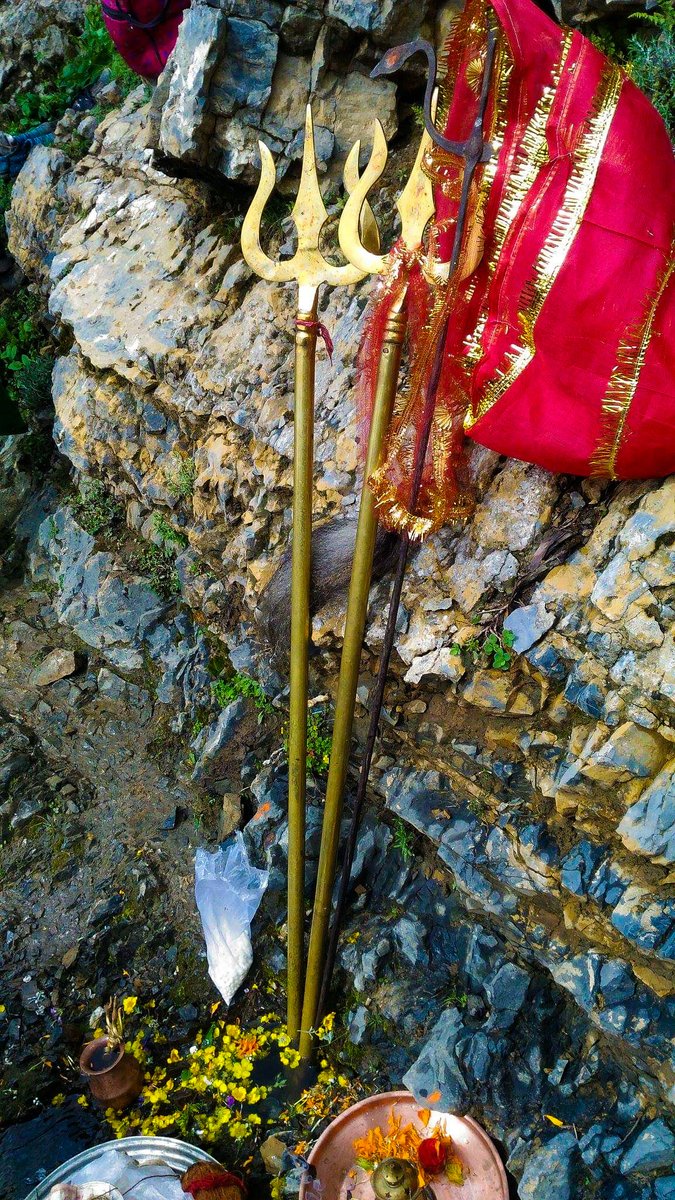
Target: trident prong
(307, 267)
(415, 205)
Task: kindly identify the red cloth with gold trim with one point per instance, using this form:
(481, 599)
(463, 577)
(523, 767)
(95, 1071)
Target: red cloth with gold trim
(560, 348)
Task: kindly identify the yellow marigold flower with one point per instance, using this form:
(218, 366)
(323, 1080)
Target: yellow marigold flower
(59, 1098)
(83, 1101)
(239, 1130)
(129, 1003)
(239, 1093)
(277, 1187)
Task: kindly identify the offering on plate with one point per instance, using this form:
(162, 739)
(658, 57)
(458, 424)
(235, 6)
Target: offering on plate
(429, 1157)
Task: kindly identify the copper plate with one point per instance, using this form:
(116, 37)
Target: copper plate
(333, 1153)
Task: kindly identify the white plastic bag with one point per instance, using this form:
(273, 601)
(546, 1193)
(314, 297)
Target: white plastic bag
(228, 891)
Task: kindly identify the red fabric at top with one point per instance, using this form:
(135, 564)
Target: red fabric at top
(144, 31)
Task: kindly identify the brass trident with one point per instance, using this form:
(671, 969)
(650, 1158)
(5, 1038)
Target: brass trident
(309, 269)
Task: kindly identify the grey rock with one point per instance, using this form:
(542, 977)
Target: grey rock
(476, 1053)
(652, 1149)
(216, 736)
(358, 1025)
(548, 1173)
(579, 865)
(387, 21)
(410, 936)
(27, 809)
(300, 27)
(616, 982)
(648, 826)
(580, 975)
(14, 765)
(103, 909)
(243, 78)
(57, 665)
(506, 993)
(437, 1069)
(528, 625)
(186, 126)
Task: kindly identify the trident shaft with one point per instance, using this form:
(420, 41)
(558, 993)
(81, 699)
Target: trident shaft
(416, 209)
(309, 269)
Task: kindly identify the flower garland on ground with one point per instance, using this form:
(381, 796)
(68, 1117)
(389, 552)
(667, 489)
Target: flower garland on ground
(209, 1093)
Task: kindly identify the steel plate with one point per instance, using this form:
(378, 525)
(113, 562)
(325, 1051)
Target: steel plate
(169, 1151)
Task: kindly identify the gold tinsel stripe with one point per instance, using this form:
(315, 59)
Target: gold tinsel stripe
(559, 240)
(531, 157)
(623, 383)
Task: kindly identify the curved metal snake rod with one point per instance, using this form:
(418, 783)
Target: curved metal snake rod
(394, 59)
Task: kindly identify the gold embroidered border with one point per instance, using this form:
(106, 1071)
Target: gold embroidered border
(623, 383)
(559, 240)
(531, 157)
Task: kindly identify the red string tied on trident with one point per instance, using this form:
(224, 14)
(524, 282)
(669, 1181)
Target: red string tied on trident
(319, 328)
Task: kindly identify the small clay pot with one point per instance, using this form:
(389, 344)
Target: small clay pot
(115, 1077)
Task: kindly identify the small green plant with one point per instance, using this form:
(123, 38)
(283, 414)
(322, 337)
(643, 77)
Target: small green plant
(96, 508)
(93, 54)
(647, 53)
(402, 840)
(158, 564)
(488, 648)
(21, 335)
(476, 805)
(496, 649)
(5, 197)
(76, 146)
(180, 478)
(418, 114)
(277, 210)
(33, 382)
(170, 537)
(241, 685)
(661, 17)
(5, 202)
(651, 63)
(319, 742)
(455, 998)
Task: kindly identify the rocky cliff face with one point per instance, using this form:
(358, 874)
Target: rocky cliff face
(545, 792)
